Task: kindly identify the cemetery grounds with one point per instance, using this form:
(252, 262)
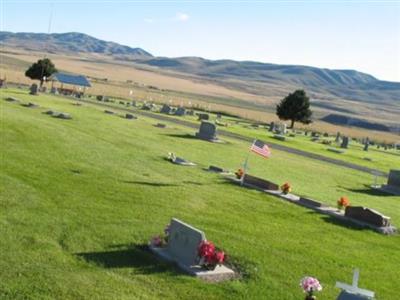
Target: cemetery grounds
(81, 198)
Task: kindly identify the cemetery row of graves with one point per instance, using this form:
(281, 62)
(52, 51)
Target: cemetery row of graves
(125, 191)
(363, 152)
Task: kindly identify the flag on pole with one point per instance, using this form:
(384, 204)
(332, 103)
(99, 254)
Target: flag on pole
(260, 148)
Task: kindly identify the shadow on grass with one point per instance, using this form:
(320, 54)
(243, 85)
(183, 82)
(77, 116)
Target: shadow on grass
(137, 257)
(182, 136)
(339, 222)
(368, 191)
(155, 184)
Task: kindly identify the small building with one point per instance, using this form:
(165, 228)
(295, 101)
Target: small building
(79, 84)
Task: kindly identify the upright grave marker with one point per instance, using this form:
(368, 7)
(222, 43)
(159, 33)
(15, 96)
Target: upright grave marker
(345, 142)
(166, 109)
(353, 292)
(33, 90)
(182, 248)
(180, 111)
(207, 131)
(203, 117)
(366, 144)
(271, 127)
(393, 183)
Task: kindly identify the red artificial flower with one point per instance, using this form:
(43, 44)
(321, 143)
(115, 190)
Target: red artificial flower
(219, 257)
(206, 249)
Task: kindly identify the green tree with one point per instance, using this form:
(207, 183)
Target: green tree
(295, 107)
(41, 69)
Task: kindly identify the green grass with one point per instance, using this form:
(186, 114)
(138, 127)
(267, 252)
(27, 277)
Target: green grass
(79, 197)
(379, 159)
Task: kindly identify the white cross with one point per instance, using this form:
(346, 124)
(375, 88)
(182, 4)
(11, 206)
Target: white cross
(354, 289)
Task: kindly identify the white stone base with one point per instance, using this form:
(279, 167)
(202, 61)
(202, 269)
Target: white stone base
(220, 273)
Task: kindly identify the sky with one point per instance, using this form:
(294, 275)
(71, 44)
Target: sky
(335, 34)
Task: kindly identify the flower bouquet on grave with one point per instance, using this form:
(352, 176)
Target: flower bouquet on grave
(239, 173)
(342, 203)
(286, 188)
(161, 240)
(310, 285)
(209, 256)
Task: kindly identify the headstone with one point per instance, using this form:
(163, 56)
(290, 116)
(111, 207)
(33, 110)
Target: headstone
(64, 116)
(259, 183)
(280, 128)
(393, 183)
(166, 109)
(337, 139)
(345, 142)
(183, 242)
(180, 111)
(207, 131)
(284, 128)
(394, 178)
(367, 215)
(147, 106)
(353, 292)
(366, 144)
(271, 127)
(203, 116)
(30, 105)
(215, 169)
(50, 112)
(33, 90)
(130, 117)
(182, 249)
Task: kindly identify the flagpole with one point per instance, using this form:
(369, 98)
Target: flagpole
(245, 166)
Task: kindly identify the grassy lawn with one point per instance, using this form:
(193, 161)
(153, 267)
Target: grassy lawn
(379, 159)
(79, 199)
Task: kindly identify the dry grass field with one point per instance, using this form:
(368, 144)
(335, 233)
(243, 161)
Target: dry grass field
(118, 78)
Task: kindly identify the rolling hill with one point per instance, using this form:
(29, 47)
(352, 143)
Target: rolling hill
(245, 84)
(348, 84)
(70, 42)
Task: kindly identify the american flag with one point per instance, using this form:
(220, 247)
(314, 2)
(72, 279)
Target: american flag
(260, 148)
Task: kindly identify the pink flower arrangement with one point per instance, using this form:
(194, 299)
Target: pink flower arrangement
(309, 286)
(209, 256)
(161, 240)
(157, 241)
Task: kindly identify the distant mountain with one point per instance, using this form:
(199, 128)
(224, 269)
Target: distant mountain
(70, 42)
(348, 84)
(253, 77)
